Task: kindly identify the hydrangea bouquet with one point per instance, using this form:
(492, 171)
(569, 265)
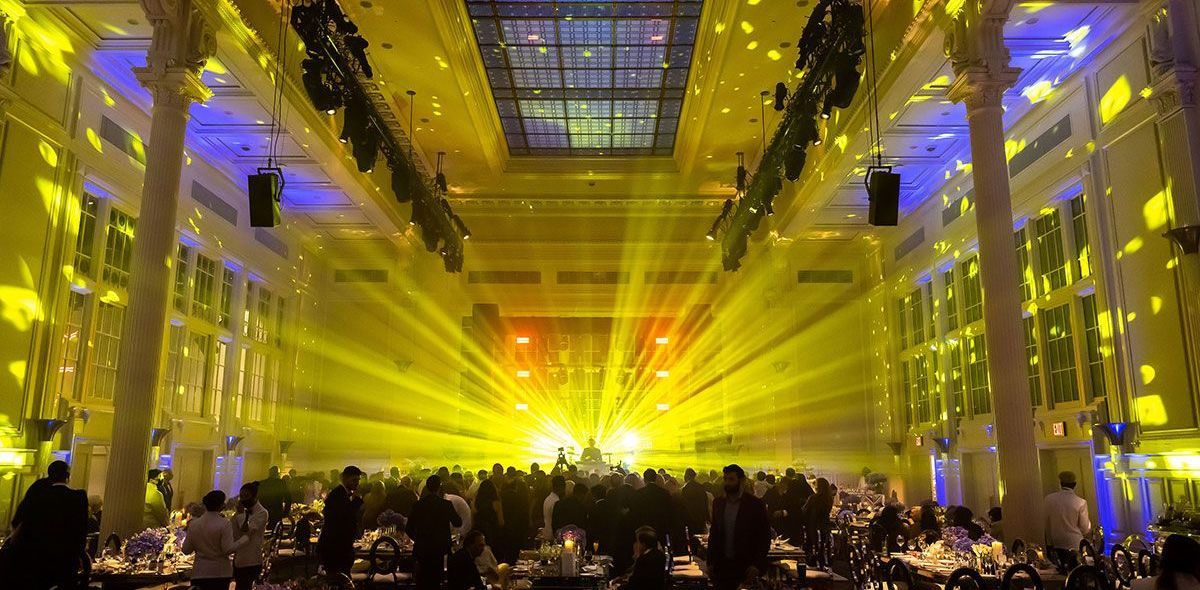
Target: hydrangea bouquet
(147, 544)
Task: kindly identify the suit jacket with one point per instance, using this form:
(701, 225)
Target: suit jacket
(342, 513)
(429, 525)
(567, 511)
(274, 495)
(649, 572)
(695, 506)
(461, 573)
(53, 527)
(168, 492)
(652, 506)
(751, 533)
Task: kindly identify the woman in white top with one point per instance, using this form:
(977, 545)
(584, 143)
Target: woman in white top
(1180, 567)
(211, 537)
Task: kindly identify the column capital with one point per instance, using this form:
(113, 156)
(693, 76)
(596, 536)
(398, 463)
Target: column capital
(974, 42)
(182, 44)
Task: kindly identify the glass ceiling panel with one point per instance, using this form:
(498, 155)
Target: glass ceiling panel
(587, 78)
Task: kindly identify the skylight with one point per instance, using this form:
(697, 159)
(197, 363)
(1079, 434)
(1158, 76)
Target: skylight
(580, 78)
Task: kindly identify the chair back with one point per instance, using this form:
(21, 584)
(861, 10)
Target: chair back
(1087, 577)
(964, 578)
(112, 542)
(1123, 565)
(1017, 549)
(1087, 553)
(1035, 579)
(897, 572)
(384, 557)
(1147, 563)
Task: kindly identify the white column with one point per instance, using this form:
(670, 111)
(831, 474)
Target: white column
(181, 44)
(982, 75)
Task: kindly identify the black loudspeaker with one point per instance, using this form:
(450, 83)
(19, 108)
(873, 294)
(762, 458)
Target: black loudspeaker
(883, 191)
(265, 189)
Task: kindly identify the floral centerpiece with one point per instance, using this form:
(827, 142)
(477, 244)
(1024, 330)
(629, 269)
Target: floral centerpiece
(147, 544)
(959, 540)
(1178, 519)
(390, 520)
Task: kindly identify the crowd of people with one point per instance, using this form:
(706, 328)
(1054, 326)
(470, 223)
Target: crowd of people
(632, 517)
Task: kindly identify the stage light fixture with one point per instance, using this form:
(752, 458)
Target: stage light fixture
(522, 407)
(781, 93)
(663, 407)
(740, 184)
(354, 121)
(793, 163)
(662, 340)
(462, 228)
(401, 181)
(826, 109)
(845, 82)
(662, 374)
(366, 150)
(523, 374)
(522, 339)
(358, 48)
(323, 96)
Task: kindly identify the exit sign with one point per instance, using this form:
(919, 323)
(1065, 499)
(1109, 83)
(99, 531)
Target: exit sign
(1058, 429)
(920, 440)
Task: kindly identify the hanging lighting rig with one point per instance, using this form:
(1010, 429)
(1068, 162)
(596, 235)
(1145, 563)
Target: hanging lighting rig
(831, 50)
(336, 75)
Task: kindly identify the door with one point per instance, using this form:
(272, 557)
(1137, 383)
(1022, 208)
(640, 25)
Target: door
(1077, 460)
(193, 475)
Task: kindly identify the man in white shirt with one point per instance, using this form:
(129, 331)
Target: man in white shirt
(212, 538)
(250, 520)
(1066, 518)
(454, 495)
(558, 490)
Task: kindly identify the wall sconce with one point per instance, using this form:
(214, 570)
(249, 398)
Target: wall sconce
(232, 442)
(46, 428)
(1187, 237)
(780, 366)
(157, 435)
(285, 445)
(402, 365)
(1119, 433)
(897, 448)
(942, 443)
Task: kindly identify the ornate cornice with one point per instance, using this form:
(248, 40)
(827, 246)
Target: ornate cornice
(975, 46)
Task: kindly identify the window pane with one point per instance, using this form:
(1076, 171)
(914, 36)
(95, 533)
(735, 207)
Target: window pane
(977, 369)
(972, 290)
(195, 373)
(956, 379)
(109, 320)
(72, 345)
(85, 240)
(172, 391)
(1095, 347)
(916, 316)
(218, 379)
(181, 278)
(1083, 253)
(204, 290)
(901, 323)
(1060, 354)
(951, 301)
(1031, 358)
(224, 316)
(906, 390)
(118, 248)
(1051, 260)
(921, 371)
(1025, 267)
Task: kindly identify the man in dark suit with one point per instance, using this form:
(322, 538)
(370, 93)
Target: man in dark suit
(695, 503)
(168, 490)
(343, 511)
(652, 506)
(274, 495)
(571, 510)
(429, 527)
(52, 533)
(461, 572)
(650, 564)
(740, 537)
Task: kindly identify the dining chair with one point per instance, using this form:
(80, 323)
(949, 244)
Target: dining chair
(1087, 577)
(1147, 563)
(1022, 569)
(964, 578)
(897, 572)
(1123, 565)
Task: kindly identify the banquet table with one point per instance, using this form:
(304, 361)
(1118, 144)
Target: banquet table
(119, 574)
(936, 572)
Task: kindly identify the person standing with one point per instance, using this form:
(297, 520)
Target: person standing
(514, 499)
(740, 537)
(696, 503)
(251, 520)
(450, 491)
(817, 511)
(489, 515)
(168, 490)
(50, 533)
(155, 514)
(274, 495)
(1066, 519)
(429, 527)
(572, 510)
(335, 546)
(211, 537)
(558, 491)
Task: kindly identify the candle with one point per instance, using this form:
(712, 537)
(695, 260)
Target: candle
(569, 546)
(997, 550)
